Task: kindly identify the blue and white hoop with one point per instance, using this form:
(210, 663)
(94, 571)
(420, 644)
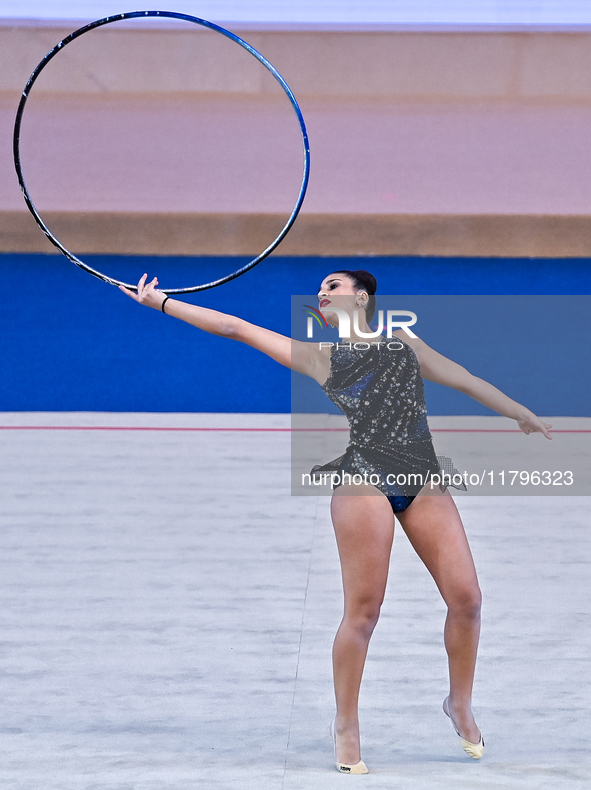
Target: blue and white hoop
(203, 23)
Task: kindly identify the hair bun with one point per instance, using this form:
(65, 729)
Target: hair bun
(365, 281)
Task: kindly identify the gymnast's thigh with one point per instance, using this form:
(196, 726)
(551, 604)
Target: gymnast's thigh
(364, 528)
(435, 530)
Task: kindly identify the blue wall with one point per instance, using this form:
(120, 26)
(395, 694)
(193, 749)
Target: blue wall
(69, 342)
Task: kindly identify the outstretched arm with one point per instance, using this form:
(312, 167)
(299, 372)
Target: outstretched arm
(302, 357)
(436, 367)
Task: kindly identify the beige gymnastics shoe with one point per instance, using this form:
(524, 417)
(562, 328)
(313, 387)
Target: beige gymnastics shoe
(475, 750)
(358, 768)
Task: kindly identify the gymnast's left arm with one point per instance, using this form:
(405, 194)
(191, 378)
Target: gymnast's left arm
(435, 367)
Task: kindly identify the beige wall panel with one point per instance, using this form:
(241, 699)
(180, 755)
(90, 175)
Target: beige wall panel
(313, 234)
(395, 64)
(21, 49)
(415, 64)
(557, 66)
(133, 60)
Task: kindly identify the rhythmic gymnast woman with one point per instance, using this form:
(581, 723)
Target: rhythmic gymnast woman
(389, 376)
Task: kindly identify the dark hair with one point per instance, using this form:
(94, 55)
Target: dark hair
(364, 281)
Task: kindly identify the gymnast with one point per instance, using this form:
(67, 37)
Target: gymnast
(379, 387)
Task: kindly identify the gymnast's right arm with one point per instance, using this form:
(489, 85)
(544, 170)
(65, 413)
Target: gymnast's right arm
(305, 358)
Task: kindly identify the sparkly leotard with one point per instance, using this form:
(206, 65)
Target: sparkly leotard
(378, 386)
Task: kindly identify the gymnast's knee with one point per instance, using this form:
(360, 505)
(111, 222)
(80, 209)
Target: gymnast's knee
(467, 604)
(363, 617)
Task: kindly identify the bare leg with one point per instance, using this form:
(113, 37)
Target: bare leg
(364, 529)
(434, 528)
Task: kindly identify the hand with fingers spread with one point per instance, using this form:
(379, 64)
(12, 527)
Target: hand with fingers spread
(146, 293)
(529, 423)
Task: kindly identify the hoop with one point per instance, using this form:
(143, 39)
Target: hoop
(204, 23)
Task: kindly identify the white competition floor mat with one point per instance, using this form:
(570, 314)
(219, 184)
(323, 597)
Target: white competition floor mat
(168, 611)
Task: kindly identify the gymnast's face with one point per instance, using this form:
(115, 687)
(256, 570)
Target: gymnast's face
(338, 289)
